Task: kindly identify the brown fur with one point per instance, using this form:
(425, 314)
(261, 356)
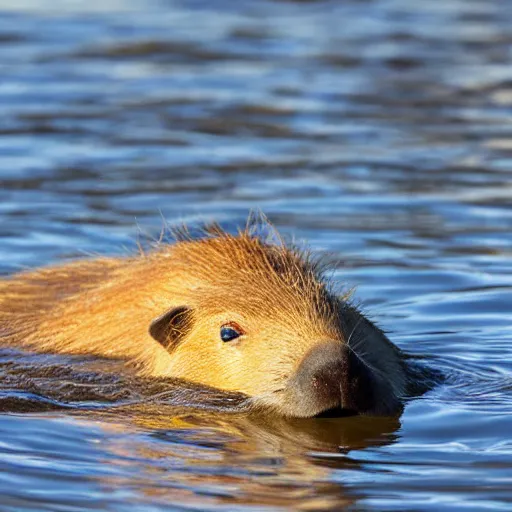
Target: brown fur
(105, 306)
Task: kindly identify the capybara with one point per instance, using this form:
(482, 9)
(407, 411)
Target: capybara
(234, 312)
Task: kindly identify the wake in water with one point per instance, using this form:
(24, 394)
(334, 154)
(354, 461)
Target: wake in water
(41, 382)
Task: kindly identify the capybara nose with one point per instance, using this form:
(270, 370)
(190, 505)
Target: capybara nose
(333, 376)
(321, 373)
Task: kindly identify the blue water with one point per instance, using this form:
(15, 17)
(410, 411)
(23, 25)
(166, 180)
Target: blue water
(378, 131)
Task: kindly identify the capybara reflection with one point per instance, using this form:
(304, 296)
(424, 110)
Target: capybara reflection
(234, 312)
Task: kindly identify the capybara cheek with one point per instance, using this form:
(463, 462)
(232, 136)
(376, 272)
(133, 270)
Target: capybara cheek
(205, 367)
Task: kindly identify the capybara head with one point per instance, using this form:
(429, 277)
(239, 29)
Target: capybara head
(260, 318)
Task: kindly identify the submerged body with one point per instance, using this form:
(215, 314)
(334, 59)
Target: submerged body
(231, 312)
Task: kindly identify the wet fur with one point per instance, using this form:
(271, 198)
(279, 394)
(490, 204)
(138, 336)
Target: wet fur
(104, 306)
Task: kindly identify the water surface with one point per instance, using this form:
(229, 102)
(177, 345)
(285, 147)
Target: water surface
(379, 131)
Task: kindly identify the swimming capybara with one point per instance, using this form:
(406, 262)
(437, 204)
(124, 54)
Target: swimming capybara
(234, 312)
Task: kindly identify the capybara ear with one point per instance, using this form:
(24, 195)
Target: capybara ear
(168, 329)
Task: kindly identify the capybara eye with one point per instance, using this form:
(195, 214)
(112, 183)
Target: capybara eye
(230, 332)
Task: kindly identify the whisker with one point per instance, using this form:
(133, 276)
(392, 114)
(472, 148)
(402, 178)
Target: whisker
(354, 330)
(361, 355)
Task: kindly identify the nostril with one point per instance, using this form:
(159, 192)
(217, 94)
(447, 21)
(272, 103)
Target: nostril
(317, 380)
(325, 381)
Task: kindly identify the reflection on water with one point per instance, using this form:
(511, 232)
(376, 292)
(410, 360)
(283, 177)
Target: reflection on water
(380, 131)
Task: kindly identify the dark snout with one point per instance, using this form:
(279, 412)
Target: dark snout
(331, 377)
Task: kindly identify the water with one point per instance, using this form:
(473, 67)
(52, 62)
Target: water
(379, 131)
